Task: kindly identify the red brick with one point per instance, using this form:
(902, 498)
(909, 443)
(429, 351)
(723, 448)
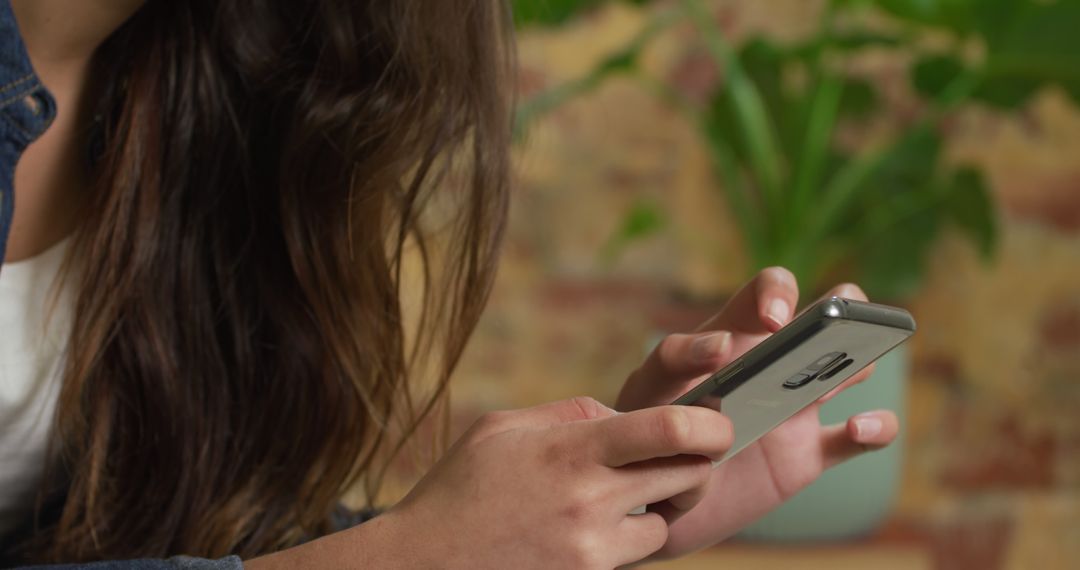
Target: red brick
(972, 543)
(971, 539)
(575, 295)
(695, 76)
(678, 313)
(1004, 455)
(1054, 202)
(902, 531)
(1060, 327)
(938, 366)
(530, 82)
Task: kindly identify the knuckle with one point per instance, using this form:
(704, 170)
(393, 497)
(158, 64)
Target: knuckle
(674, 426)
(668, 352)
(585, 550)
(588, 407)
(582, 505)
(584, 500)
(669, 344)
(486, 425)
(725, 432)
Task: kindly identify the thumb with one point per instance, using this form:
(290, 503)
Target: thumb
(865, 432)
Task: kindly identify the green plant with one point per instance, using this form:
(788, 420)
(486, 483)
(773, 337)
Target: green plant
(799, 198)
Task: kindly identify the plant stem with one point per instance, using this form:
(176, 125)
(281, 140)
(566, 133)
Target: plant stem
(723, 160)
(849, 179)
(876, 225)
(542, 104)
(825, 107)
(750, 112)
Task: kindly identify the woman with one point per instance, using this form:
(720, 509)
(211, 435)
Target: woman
(206, 341)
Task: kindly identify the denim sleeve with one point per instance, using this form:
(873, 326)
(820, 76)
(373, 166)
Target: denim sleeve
(174, 563)
(26, 110)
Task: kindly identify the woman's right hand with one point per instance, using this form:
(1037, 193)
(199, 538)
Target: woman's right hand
(551, 486)
(543, 487)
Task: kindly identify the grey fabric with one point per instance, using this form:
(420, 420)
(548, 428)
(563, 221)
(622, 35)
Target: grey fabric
(174, 563)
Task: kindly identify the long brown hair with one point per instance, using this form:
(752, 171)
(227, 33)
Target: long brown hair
(262, 170)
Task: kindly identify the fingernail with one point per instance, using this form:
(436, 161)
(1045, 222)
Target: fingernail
(778, 310)
(867, 427)
(710, 346)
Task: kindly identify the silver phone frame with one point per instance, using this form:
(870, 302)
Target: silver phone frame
(750, 389)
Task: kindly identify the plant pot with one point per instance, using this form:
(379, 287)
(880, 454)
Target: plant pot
(854, 498)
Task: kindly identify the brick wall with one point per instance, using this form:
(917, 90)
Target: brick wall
(992, 473)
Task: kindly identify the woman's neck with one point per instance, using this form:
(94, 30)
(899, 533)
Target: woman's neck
(63, 34)
(61, 37)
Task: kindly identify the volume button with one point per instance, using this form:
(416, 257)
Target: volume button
(733, 370)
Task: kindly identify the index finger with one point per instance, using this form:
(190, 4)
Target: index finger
(762, 306)
(663, 431)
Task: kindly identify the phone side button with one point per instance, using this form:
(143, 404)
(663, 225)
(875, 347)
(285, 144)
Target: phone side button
(735, 369)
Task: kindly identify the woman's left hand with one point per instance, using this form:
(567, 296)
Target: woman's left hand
(781, 463)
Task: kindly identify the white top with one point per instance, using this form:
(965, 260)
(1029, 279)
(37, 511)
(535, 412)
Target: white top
(31, 351)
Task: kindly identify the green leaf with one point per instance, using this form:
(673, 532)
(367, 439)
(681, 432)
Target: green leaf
(859, 99)
(896, 238)
(623, 60)
(548, 12)
(812, 159)
(932, 74)
(853, 40)
(1029, 44)
(955, 15)
(996, 20)
(900, 211)
(757, 126)
(871, 193)
(972, 209)
(554, 12)
(892, 266)
(763, 64)
(643, 219)
(844, 41)
(1006, 92)
(620, 62)
(909, 167)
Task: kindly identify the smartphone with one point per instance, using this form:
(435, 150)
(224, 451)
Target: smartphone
(828, 343)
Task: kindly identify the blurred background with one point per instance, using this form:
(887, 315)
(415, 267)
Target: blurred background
(926, 149)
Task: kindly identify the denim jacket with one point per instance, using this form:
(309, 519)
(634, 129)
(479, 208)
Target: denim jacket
(26, 110)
